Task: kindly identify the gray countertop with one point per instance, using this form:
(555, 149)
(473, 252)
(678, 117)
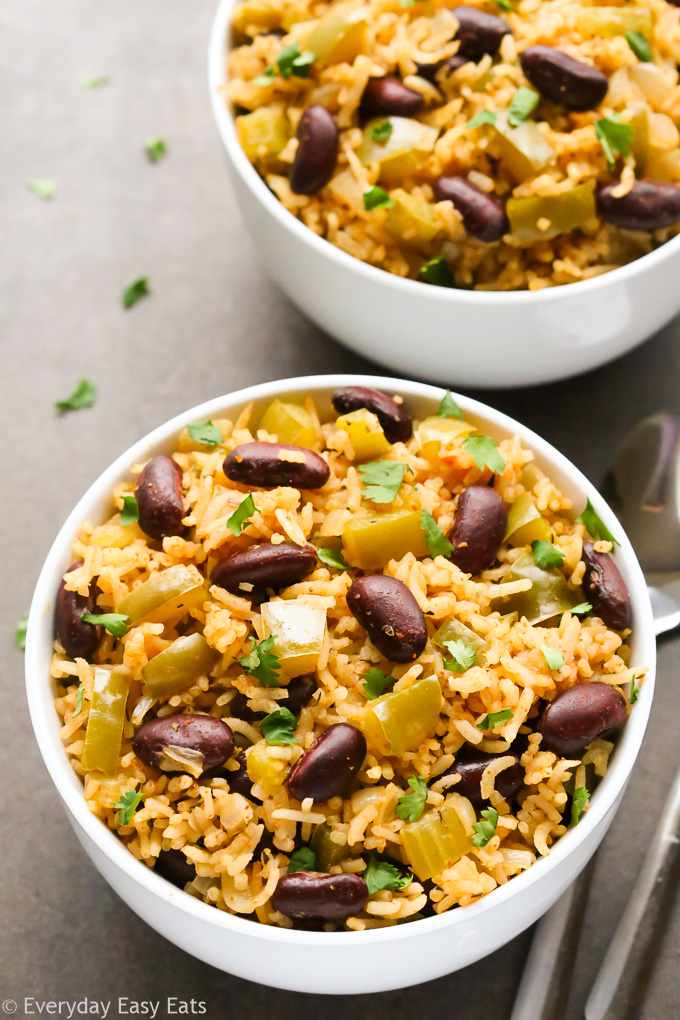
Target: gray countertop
(212, 323)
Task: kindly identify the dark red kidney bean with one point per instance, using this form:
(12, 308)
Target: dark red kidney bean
(300, 690)
(212, 737)
(429, 71)
(580, 715)
(264, 566)
(317, 151)
(264, 465)
(478, 528)
(483, 214)
(479, 32)
(159, 498)
(562, 78)
(470, 764)
(605, 588)
(649, 205)
(307, 894)
(79, 639)
(239, 781)
(388, 610)
(394, 419)
(386, 97)
(327, 768)
(173, 865)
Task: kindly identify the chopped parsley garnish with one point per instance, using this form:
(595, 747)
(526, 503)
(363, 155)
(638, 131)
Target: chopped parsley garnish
(494, 719)
(639, 45)
(93, 81)
(84, 395)
(381, 875)
(381, 132)
(581, 608)
(241, 515)
(381, 480)
(20, 632)
(205, 432)
(448, 407)
(376, 682)
(130, 512)
(483, 117)
(462, 656)
(42, 187)
(262, 663)
(594, 525)
(484, 453)
(155, 149)
(411, 806)
(115, 623)
(615, 137)
(302, 859)
(523, 103)
(485, 830)
(135, 292)
(546, 556)
(504, 5)
(436, 272)
(79, 699)
(279, 727)
(437, 542)
(292, 62)
(553, 658)
(578, 803)
(332, 558)
(376, 198)
(634, 690)
(126, 806)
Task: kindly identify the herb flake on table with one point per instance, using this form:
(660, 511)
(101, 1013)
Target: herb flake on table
(93, 81)
(376, 198)
(130, 512)
(639, 45)
(435, 539)
(524, 103)
(376, 682)
(436, 272)
(615, 137)
(205, 432)
(448, 408)
(578, 803)
(83, 395)
(279, 727)
(594, 525)
(462, 656)
(126, 806)
(381, 132)
(485, 453)
(553, 657)
(20, 632)
(155, 149)
(262, 663)
(381, 480)
(411, 806)
(43, 187)
(546, 556)
(382, 875)
(242, 514)
(114, 623)
(135, 292)
(485, 830)
(494, 719)
(483, 117)
(302, 859)
(332, 558)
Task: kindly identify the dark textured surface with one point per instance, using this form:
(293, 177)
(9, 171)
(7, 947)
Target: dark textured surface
(212, 323)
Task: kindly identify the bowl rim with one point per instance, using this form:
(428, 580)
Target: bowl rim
(225, 124)
(43, 715)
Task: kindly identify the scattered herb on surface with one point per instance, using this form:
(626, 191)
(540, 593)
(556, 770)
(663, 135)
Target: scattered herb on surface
(486, 829)
(381, 132)
(302, 859)
(448, 408)
(484, 453)
(115, 623)
(381, 480)
(615, 137)
(462, 656)
(411, 806)
(292, 62)
(84, 395)
(634, 690)
(205, 432)
(42, 187)
(553, 658)
(578, 803)
(262, 663)
(279, 727)
(93, 81)
(135, 292)
(126, 806)
(546, 556)
(155, 149)
(381, 875)
(437, 542)
(483, 117)
(241, 515)
(639, 45)
(594, 525)
(494, 719)
(20, 632)
(376, 198)
(436, 272)
(332, 558)
(130, 512)
(376, 682)
(581, 608)
(524, 102)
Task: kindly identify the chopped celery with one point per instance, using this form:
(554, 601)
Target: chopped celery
(339, 36)
(454, 630)
(365, 434)
(327, 852)
(525, 523)
(372, 541)
(402, 720)
(523, 149)
(548, 596)
(436, 841)
(116, 536)
(435, 433)
(411, 219)
(299, 632)
(290, 423)
(104, 732)
(167, 595)
(264, 132)
(405, 151)
(545, 216)
(610, 21)
(179, 665)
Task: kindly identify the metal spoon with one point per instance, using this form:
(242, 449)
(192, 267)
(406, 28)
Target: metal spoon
(643, 487)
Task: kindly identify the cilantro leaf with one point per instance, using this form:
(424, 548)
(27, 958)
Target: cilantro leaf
(634, 690)
(302, 859)
(79, 699)
(130, 512)
(615, 137)
(578, 803)
(42, 187)
(93, 81)
(523, 103)
(546, 556)
(292, 62)
(262, 662)
(485, 830)
(382, 479)
(20, 632)
(581, 608)
(127, 805)
(84, 395)
(463, 656)
(437, 542)
(448, 407)
(279, 727)
(553, 658)
(205, 432)
(376, 682)
(155, 149)
(411, 806)
(504, 5)
(115, 623)
(483, 117)
(381, 875)
(494, 719)
(241, 514)
(594, 525)
(436, 272)
(381, 132)
(135, 292)
(376, 198)
(484, 453)
(332, 558)
(639, 45)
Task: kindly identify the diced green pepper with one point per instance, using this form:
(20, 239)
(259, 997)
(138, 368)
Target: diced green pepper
(411, 219)
(610, 21)
(435, 433)
(523, 149)
(264, 132)
(548, 596)
(402, 720)
(104, 732)
(167, 595)
(545, 216)
(299, 631)
(405, 151)
(339, 36)
(264, 768)
(372, 540)
(179, 665)
(290, 423)
(327, 852)
(525, 523)
(436, 841)
(454, 630)
(365, 434)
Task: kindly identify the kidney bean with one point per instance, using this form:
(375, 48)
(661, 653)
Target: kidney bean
(327, 768)
(606, 588)
(300, 690)
(212, 737)
(239, 781)
(479, 32)
(580, 715)
(174, 866)
(264, 565)
(483, 214)
(649, 205)
(307, 894)
(562, 78)
(317, 151)
(429, 71)
(478, 528)
(394, 419)
(470, 764)
(265, 465)
(385, 97)
(387, 609)
(159, 498)
(79, 639)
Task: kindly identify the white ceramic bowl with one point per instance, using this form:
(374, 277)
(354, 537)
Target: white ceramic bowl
(342, 962)
(456, 337)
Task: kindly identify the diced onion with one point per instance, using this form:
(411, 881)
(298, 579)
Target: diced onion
(655, 83)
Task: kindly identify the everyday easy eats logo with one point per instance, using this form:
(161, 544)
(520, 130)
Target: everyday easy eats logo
(122, 1006)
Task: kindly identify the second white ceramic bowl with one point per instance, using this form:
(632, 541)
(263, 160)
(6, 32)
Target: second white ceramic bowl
(340, 962)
